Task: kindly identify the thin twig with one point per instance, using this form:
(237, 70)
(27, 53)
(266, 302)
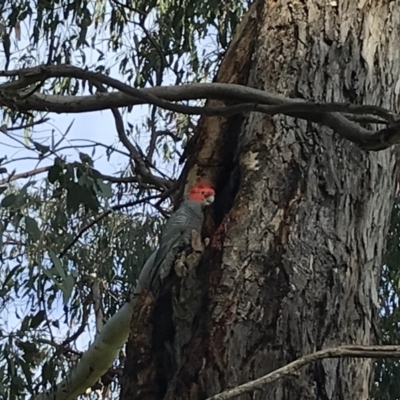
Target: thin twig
(23, 175)
(290, 369)
(141, 168)
(37, 171)
(40, 121)
(83, 325)
(103, 215)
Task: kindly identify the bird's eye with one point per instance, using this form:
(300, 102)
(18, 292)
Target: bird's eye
(203, 192)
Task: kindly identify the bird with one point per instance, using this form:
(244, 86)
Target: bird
(177, 233)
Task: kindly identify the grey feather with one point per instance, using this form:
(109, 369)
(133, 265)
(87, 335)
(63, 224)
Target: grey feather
(175, 237)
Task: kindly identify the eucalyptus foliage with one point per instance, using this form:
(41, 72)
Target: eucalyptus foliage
(67, 225)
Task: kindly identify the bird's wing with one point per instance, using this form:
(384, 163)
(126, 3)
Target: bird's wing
(173, 232)
(145, 273)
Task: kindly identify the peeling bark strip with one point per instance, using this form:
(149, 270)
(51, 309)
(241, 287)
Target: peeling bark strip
(301, 247)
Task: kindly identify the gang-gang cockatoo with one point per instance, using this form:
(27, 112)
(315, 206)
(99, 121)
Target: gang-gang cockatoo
(177, 233)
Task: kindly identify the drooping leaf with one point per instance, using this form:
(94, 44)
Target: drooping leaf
(68, 286)
(37, 319)
(57, 264)
(43, 149)
(105, 188)
(32, 228)
(9, 200)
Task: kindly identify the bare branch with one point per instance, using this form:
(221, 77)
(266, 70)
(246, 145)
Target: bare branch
(142, 169)
(22, 175)
(292, 368)
(98, 359)
(252, 99)
(82, 326)
(38, 122)
(43, 72)
(95, 143)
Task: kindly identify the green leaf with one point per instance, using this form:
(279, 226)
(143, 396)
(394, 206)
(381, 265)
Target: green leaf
(81, 195)
(21, 198)
(55, 173)
(57, 264)
(68, 286)
(83, 180)
(105, 188)
(26, 368)
(32, 228)
(9, 200)
(86, 159)
(14, 271)
(25, 323)
(26, 136)
(6, 47)
(74, 197)
(17, 218)
(48, 372)
(41, 148)
(30, 351)
(37, 319)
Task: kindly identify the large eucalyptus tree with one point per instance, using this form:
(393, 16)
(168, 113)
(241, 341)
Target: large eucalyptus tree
(305, 176)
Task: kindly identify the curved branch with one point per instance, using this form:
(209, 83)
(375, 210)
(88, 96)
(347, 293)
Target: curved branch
(97, 360)
(29, 125)
(22, 175)
(142, 169)
(290, 369)
(43, 72)
(253, 99)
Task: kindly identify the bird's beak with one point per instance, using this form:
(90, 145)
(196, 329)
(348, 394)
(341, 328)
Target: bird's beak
(209, 200)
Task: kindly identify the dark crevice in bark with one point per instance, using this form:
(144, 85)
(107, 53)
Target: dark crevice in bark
(162, 340)
(227, 188)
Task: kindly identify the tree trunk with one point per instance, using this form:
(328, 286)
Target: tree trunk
(294, 265)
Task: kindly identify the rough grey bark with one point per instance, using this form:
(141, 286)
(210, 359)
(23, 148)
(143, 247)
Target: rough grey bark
(295, 265)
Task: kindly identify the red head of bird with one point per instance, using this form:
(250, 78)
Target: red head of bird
(202, 192)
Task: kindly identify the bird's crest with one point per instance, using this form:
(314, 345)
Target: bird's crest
(201, 191)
